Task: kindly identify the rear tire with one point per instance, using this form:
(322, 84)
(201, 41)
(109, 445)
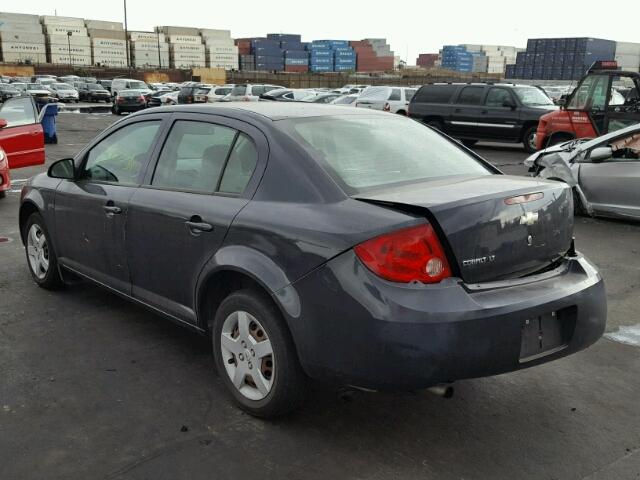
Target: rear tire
(529, 139)
(41, 257)
(280, 384)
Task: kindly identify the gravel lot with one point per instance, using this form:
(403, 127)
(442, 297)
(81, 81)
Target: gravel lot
(96, 388)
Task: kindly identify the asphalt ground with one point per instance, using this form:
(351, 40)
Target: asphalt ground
(92, 387)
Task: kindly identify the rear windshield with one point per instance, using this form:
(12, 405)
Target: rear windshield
(239, 90)
(376, 93)
(137, 84)
(363, 152)
(435, 94)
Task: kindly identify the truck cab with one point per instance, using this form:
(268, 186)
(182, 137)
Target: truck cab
(605, 100)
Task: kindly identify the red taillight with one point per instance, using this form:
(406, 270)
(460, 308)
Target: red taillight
(206, 99)
(189, 99)
(407, 255)
(387, 107)
(142, 99)
(246, 99)
(120, 100)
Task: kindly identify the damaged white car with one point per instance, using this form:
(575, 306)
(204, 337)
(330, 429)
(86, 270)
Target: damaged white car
(604, 172)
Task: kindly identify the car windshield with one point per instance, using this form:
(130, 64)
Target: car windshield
(137, 84)
(95, 86)
(35, 86)
(130, 93)
(363, 152)
(532, 97)
(62, 86)
(239, 90)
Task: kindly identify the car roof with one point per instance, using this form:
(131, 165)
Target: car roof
(273, 110)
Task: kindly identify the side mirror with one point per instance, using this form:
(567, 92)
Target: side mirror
(562, 101)
(600, 154)
(62, 169)
(3, 123)
(509, 103)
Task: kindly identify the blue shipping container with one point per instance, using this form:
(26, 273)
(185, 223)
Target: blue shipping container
(296, 61)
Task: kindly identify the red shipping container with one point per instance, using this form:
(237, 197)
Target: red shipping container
(296, 68)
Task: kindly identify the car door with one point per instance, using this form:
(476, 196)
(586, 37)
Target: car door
(22, 137)
(466, 113)
(179, 218)
(612, 185)
(91, 211)
(498, 121)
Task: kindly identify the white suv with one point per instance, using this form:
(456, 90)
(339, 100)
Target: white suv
(388, 99)
(249, 92)
(217, 93)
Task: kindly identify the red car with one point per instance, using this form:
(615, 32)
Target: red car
(21, 138)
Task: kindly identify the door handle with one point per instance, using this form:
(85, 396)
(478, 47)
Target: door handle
(112, 210)
(196, 225)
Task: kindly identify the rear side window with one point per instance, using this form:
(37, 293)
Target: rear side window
(435, 94)
(395, 94)
(408, 94)
(239, 90)
(194, 156)
(240, 167)
(471, 96)
(257, 90)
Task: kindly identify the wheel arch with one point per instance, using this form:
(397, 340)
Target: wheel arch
(526, 126)
(28, 208)
(560, 134)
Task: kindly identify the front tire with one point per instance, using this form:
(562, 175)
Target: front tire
(255, 356)
(41, 257)
(529, 139)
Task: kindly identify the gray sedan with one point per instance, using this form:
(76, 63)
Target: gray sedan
(604, 172)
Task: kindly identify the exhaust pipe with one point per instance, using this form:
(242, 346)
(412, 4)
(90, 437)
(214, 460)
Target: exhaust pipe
(444, 390)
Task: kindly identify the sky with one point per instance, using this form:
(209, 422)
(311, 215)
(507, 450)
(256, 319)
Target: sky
(411, 27)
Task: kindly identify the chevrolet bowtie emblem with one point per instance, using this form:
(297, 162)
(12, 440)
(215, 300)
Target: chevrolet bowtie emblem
(529, 218)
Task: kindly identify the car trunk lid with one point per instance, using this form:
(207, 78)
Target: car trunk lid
(496, 226)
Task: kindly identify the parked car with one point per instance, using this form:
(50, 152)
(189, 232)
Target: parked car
(604, 172)
(249, 92)
(351, 88)
(324, 98)
(70, 79)
(345, 100)
(217, 93)
(39, 92)
(289, 94)
(388, 99)
(8, 91)
(21, 137)
(193, 93)
(64, 92)
(120, 84)
(385, 231)
(20, 86)
(106, 84)
(472, 112)
(156, 98)
(94, 92)
(170, 98)
(129, 100)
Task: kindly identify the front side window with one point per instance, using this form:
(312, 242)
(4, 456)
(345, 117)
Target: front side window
(626, 149)
(532, 97)
(591, 94)
(362, 152)
(121, 156)
(194, 156)
(471, 96)
(497, 97)
(18, 111)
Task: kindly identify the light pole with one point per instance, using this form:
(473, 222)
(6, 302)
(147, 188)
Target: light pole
(159, 58)
(69, 33)
(126, 33)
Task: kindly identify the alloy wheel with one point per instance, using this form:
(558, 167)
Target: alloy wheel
(38, 251)
(248, 355)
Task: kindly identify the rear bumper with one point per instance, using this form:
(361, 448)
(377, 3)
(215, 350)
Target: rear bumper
(357, 329)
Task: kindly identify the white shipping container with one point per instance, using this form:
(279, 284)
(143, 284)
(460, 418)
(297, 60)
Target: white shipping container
(226, 66)
(182, 39)
(19, 18)
(17, 47)
(82, 60)
(215, 34)
(102, 25)
(20, 27)
(180, 31)
(110, 61)
(63, 29)
(146, 36)
(222, 58)
(65, 40)
(64, 50)
(628, 61)
(222, 50)
(164, 47)
(187, 48)
(217, 42)
(150, 58)
(21, 37)
(109, 52)
(22, 57)
(108, 43)
(627, 48)
(56, 20)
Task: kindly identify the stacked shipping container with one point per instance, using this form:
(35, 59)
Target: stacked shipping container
(427, 60)
(628, 56)
(186, 49)
(372, 58)
(560, 58)
(296, 58)
(220, 50)
(149, 50)
(21, 38)
(67, 40)
(108, 43)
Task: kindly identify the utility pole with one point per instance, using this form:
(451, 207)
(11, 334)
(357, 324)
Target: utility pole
(126, 33)
(69, 33)
(159, 58)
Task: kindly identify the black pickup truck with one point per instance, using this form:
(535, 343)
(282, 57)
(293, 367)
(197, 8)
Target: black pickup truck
(478, 111)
